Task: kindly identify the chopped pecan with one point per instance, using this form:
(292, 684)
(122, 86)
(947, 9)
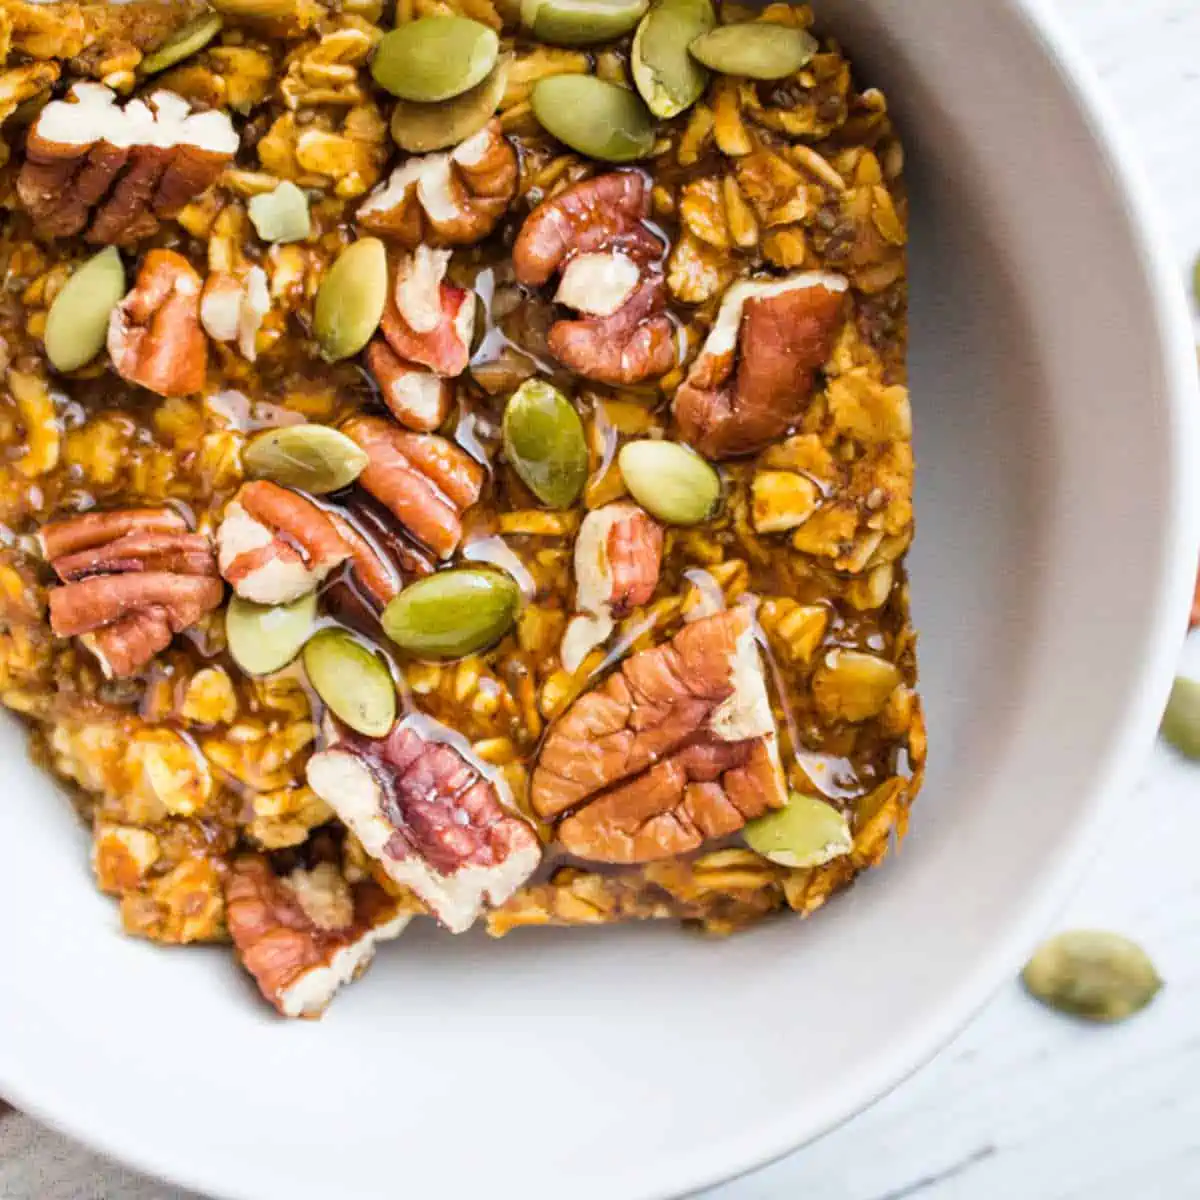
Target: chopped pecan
(426, 481)
(274, 545)
(154, 334)
(594, 233)
(232, 308)
(756, 370)
(304, 935)
(119, 170)
(618, 553)
(133, 579)
(371, 578)
(430, 815)
(453, 198)
(428, 321)
(417, 398)
(677, 747)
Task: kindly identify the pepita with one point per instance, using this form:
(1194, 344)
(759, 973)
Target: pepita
(350, 299)
(667, 76)
(545, 444)
(434, 58)
(264, 638)
(1181, 721)
(1092, 974)
(420, 128)
(580, 22)
(77, 323)
(314, 458)
(185, 42)
(353, 682)
(282, 215)
(594, 117)
(670, 481)
(808, 832)
(453, 613)
(754, 50)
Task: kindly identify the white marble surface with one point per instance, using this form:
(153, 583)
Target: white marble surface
(1024, 1105)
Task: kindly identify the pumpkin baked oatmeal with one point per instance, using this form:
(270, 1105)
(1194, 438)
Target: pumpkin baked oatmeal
(456, 464)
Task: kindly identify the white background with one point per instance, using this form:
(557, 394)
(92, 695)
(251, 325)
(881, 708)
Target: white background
(1024, 1105)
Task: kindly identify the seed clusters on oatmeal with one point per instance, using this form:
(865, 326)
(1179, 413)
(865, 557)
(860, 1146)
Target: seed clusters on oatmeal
(421, 502)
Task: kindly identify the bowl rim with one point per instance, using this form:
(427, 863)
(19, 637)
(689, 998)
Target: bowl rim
(1161, 639)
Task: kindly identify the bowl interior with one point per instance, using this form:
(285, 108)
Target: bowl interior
(639, 1062)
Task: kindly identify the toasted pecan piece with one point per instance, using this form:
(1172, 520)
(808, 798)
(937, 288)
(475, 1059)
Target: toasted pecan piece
(133, 578)
(594, 233)
(274, 545)
(426, 481)
(304, 935)
(154, 334)
(430, 815)
(119, 170)
(452, 198)
(677, 747)
(756, 371)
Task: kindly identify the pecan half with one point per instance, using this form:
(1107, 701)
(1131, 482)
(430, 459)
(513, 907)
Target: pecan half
(154, 334)
(118, 170)
(618, 554)
(430, 816)
(677, 747)
(133, 579)
(454, 198)
(428, 321)
(304, 935)
(611, 264)
(756, 371)
(426, 481)
(274, 545)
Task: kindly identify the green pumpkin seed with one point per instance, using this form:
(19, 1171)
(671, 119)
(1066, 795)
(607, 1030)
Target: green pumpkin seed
(77, 324)
(420, 128)
(806, 833)
(263, 638)
(189, 40)
(580, 22)
(434, 58)
(544, 443)
(453, 613)
(1181, 721)
(670, 481)
(666, 75)
(282, 215)
(1092, 974)
(755, 50)
(313, 458)
(353, 682)
(350, 299)
(595, 118)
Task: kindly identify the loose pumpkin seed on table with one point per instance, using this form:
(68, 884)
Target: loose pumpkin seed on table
(489, 437)
(1092, 974)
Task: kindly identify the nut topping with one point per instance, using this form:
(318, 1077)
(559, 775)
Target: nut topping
(154, 334)
(594, 233)
(232, 308)
(677, 747)
(618, 553)
(274, 545)
(756, 371)
(133, 579)
(304, 935)
(430, 816)
(427, 321)
(426, 481)
(454, 198)
(118, 170)
(418, 399)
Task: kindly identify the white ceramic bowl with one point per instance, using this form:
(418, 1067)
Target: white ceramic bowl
(1052, 379)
